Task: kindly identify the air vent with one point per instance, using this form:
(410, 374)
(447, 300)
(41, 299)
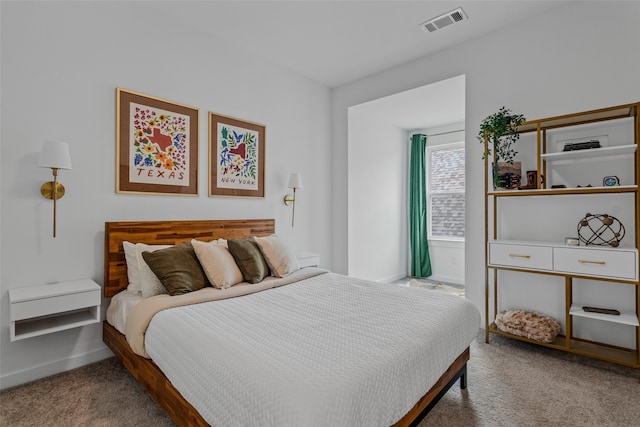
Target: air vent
(444, 20)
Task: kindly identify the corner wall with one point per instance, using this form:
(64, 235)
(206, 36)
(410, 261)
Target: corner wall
(575, 58)
(377, 183)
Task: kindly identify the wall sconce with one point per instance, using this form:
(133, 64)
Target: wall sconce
(295, 182)
(54, 155)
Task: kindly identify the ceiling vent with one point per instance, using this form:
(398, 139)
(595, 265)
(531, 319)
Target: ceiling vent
(444, 20)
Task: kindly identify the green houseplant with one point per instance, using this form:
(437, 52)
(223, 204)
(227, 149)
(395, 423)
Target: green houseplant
(501, 130)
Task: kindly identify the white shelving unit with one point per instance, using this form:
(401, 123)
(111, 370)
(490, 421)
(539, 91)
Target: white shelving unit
(44, 309)
(591, 266)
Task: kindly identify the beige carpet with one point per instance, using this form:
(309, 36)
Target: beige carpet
(510, 384)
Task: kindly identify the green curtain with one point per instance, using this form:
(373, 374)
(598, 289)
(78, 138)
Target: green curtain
(420, 260)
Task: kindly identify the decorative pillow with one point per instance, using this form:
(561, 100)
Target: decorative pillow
(138, 272)
(218, 264)
(280, 258)
(177, 268)
(249, 259)
(528, 324)
(133, 270)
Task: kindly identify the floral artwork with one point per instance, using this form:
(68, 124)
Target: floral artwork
(157, 145)
(237, 157)
(160, 146)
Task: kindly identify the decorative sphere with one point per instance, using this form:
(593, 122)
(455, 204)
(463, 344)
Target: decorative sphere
(600, 229)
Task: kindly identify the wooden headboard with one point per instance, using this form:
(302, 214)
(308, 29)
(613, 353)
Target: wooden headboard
(168, 233)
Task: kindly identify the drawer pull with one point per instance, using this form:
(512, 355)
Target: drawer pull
(519, 256)
(586, 261)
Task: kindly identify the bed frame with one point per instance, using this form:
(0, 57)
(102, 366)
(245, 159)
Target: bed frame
(174, 232)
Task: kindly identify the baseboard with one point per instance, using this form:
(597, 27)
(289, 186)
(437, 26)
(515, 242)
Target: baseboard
(454, 280)
(434, 278)
(392, 278)
(43, 371)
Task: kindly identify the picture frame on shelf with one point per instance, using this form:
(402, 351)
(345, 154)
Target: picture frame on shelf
(532, 181)
(572, 241)
(156, 145)
(510, 175)
(236, 157)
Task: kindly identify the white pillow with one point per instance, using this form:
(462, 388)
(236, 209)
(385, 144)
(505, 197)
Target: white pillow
(135, 263)
(218, 263)
(280, 258)
(150, 285)
(133, 270)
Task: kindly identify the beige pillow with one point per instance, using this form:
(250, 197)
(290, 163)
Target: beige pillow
(133, 270)
(280, 258)
(218, 263)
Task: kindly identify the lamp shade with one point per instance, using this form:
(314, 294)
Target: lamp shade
(55, 154)
(295, 180)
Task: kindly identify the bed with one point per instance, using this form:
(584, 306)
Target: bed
(256, 392)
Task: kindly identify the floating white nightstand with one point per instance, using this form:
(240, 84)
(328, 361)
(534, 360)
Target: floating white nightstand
(308, 260)
(43, 309)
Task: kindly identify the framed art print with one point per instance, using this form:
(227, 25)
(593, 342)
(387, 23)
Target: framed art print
(157, 145)
(236, 157)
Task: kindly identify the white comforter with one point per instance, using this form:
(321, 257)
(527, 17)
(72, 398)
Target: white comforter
(326, 351)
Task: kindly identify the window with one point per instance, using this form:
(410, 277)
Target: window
(445, 191)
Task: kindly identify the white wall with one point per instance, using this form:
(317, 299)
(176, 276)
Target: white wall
(576, 58)
(61, 63)
(377, 183)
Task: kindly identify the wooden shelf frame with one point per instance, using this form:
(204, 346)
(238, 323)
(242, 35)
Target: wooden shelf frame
(564, 191)
(607, 353)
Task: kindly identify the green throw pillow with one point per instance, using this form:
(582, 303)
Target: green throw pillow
(177, 268)
(249, 259)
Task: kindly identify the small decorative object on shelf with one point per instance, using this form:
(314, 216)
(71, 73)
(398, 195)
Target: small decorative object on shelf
(501, 130)
(572, 241)
(601, 310)
(528, 324)
(532, 181)
(581, 145)
(509, 175)
(611, 181)
(600, 229)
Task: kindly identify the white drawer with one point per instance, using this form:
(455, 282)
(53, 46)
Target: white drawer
(522, 256)
(56, 304)
(596, 262)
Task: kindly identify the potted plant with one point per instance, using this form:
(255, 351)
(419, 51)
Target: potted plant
(501, 130)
